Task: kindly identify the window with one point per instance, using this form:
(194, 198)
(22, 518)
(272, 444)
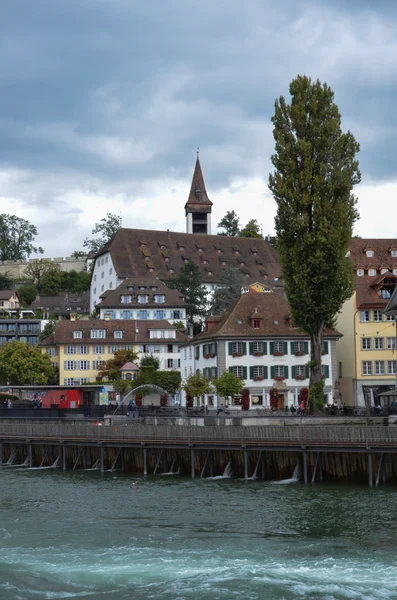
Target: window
(102, 274)
(118, 335)
(391, 343)
(125, 299)
(190, 353)
(383, 271)
(83, 365)
(142, 315)
(185, 372)
(110, 285)
(395, 271)
(369, 253)
(143, 299)
(394, 253)
(258, 347)
(367, 367)
(360, 272)
(238, 371)
(364, 316)
(176, 314)
(378, 343)
(378, 315)
(365, 343)
(68, 381)
(82, 350)
(51, 351)
(99, 349)
(77, 335)
(389, 318)
(98, 334)
(94, 290)
(392, 367)
(102, 288)
(385, 293)
(111, 314)
(126, 314)
(257, 324)
(258, 372)
(279, 371)
(379, 367)
(94, 277)
(159, 314)
(125, 347)
(106, 259)
(237, 348)
(300, 371)
(159, 299)
(299, 347)
(110, 271)
(69, 365)
(372, 272)
(113, 348)
(70, 350)
(278, 347)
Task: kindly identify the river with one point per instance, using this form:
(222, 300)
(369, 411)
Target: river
(80, 535)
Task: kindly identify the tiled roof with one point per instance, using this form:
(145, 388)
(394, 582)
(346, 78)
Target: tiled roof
(112, 298)
(130, 366)
(64, 332)
(367, 290)
(382, 255)
(7, 294)
(64, 305)
(276, 319)
(198, 197)
(391, 307)
(135, 251)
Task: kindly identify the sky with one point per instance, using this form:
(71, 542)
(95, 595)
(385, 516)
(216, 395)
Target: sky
(103, 104)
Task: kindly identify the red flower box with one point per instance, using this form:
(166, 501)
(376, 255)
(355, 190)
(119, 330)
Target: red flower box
(279, 378)
(235, 354)
(206, 356)
(258, 353)
(258, 378)
(300, 377)
(299, 353)
(212, 355)
(278, 353)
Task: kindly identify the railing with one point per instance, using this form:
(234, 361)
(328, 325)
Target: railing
(304, 435)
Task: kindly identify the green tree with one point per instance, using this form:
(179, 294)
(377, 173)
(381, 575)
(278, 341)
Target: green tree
(75, 282)
(252, 230)
(149, 360)
(315, 171)
(6, 283)
(190, 283)
(230, 223)
(44, 274)
(111, 369)
(196, 385)
(27, 294)
(228, 385)
(168, 380)
(17, 238)
(229, 289)
(23, 364)
(48, 329)
(107, 228)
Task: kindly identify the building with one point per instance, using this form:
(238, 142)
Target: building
(79, 348)
(367, 359)
(143, 299)
(9, 301)
(256, 341)
(161, 254)
(63, 307)
(23, 330)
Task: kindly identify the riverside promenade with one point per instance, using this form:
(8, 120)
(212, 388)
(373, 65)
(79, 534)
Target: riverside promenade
(345, 451)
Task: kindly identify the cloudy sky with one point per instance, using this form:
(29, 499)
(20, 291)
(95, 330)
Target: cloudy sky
(103, 103)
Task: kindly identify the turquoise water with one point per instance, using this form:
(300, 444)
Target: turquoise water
(77, 535)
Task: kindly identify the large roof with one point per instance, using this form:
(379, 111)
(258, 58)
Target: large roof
(134, 332)
(139, 252)
(64, 305)
(367, 290)
(381, 253)
(7, 294)
(391, 308)
(276, 320)
(112, 298)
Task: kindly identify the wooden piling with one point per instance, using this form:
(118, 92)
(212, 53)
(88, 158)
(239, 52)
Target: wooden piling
(1, 455)
(245, 465)
(370, 476)
(305, 467)
(145, 462)
(193, 461)
(102, 459)
(64, 458)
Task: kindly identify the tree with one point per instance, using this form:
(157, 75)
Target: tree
(252, 230)
(27, 294)
(23, 364)
(75, 282)
(230, 223)
(6, 283)
(17, 238)
(229, 289)
(48, 329)
(196, 385)
(43, 272)
(111, 369)
(150, 360)
(228, 385)
(107, 228)
(190, 283)
(315, 171)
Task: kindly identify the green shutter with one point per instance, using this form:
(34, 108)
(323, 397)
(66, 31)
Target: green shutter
(292, 347)
(307, 372)
(230, 369)
(251, 348)
(264, 347)
(326, 370)
(325, 347)
(272, 372)
(265, 372)
(244, 348)
(215, 349)
(251, 372)
(230, 348)
(306, 345)
(285, 372)
(244, 372)
(197, 371)
(215, 372)
(271, 347)
(285, 347)
(293, 372)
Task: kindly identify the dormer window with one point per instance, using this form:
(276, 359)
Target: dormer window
(159, 299)
(98, 334)
(77, 335)
(395, 271)
(383, 271)
(118, 335)
(224, 263)
(393, 253)
(256, 323)
(371, 272)
(142, 287)
(143, 246)
(182, 248)
(147, 258)
(369, 253)
(166, 259)
(198, 193)
(125, 299)
(130, 288)
(205, 262)
(162, 247)
(185, 260)
(209, 272)
(360, 272)
(385, 293)
(171, 270)
(143, 299)
(154, 288)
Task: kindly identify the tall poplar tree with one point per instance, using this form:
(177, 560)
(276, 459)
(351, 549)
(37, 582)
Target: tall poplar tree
(315, 171)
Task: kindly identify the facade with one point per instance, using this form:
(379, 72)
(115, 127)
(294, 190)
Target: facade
(143, 299)
(79, 348)
(23, 330)
(366, 355)
(256, 341)
(63, 307)
(9, 301)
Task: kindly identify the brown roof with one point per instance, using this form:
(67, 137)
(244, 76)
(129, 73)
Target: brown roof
(64, 305)
(112, 298)
(276, 319)
(135, 251)
(367, 290)
(381, 247)
(64, 332)
(391, 307)
(7, 294)
(130, 366)
(198, 197)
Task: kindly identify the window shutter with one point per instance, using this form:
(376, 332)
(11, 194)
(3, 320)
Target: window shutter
(197, 351)
(272, 372)
(205, 349)
(307, 372)
(326, 371)
(215, 349)
(251, 372)
(265, 372)
(285, 347)
(292, 347)
(215, 372)
(325, 347)
(244, 348)
(264, 347)
(306, 345)
(251, 349)
(244, 372)
(293, 372)
(271, 347)
(197, 371)
(230, 369)
(286, 372)
(230, 348)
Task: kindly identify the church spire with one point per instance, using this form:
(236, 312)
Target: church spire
(198, 206)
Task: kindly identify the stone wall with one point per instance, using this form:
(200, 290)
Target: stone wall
(15, 268)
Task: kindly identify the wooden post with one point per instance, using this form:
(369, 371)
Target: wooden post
(193, 460)
(370, 477)
(77, 459)
(86, 457)
(1, 455)
(165, 461)
(305, 467)
(320, 468)
(157, 463)
(205, 464)
(379, 470)
(102, 460)
(315, 467)
(122, 466)
(30, 456)
(263, 467)
(145, 462)
(257, 465)
(64, 458)
(245, 465)
(211, 465)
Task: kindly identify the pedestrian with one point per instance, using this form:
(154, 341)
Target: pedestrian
(221, 408)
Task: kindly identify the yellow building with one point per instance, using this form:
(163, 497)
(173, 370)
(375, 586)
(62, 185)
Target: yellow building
(79, 348)
(366, 354)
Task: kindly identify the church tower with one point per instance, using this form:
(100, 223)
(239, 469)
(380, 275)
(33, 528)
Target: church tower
(198, 206)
